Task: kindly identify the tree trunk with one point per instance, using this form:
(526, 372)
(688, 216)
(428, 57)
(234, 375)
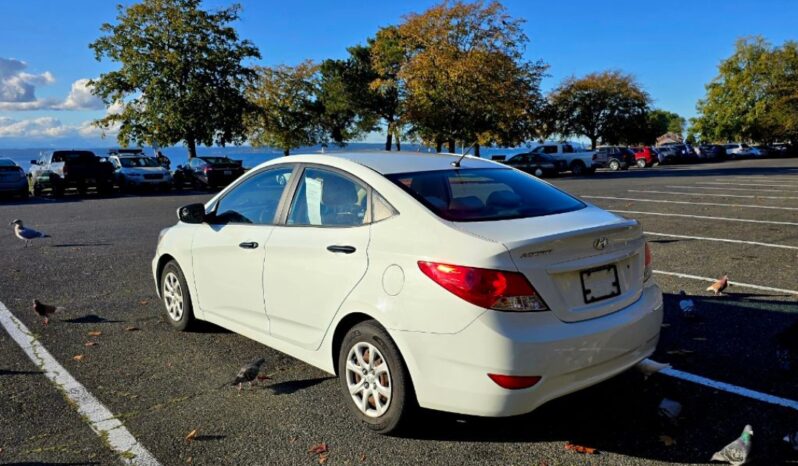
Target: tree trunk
(452, 147)
(438, 146)
(388, 141)
(192, 147)
(476, 150)
(593, 142)
(286, 152)
(398, 144)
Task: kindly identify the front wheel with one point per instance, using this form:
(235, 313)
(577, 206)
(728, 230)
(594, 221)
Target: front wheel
(175, 296)
(615, 165)
(374, 379)
(538, 172)
(641, 163)
(578, 168)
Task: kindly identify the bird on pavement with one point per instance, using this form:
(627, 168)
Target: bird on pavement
(738, 451)
(44, 310)
(719, 285)
(248, 373)
(26, 234)
(687, 306)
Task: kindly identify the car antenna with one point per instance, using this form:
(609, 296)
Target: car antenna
(456, 163)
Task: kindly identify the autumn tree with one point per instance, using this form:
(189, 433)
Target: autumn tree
(286, 112)
(754, 96)
(383, 57)
(604, 106)
(181, 75)
(464, 76)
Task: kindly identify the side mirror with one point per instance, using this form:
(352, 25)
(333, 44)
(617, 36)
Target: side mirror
(192, 213)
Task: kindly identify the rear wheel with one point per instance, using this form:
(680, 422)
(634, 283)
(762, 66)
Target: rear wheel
(374, 379)
(58, 189)
(614, 165)
(538, 172)
(578, 168)
(175, 296)
(641, 163)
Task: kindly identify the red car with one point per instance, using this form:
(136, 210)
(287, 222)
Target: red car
(646, 157)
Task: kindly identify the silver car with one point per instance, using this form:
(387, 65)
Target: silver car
(12, 178)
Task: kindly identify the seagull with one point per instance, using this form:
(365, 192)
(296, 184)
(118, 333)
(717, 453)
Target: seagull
(26, 234)
(719, 285)
(45, 310)
(248, 373)
(736, 453)
(687, 306)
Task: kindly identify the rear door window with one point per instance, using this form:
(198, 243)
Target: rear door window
(483, 194)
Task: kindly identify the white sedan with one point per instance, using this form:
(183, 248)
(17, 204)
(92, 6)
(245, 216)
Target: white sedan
(466, 287)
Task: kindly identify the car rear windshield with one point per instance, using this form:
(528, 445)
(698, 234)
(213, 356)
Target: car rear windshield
(131, 162)
(218, 160)
(83, 156)
(7, 163)
(481, 194)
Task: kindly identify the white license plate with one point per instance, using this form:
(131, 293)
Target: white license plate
(600, 283)
(228, 172)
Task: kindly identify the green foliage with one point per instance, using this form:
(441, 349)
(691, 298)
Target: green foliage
(610, 106)
(181, 76)
(286, 113)
(754, 97)
(659, 122)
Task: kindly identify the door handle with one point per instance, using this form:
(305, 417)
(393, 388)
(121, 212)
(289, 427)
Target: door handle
(248, 245)
(343, 249)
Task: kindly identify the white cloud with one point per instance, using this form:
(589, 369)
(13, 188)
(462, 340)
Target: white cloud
(81, 98)
(49, 127)
(18, 88)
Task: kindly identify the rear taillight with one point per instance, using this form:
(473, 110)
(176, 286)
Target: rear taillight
(205, 170)
(514, 382)
(647, 268)
(493, 289)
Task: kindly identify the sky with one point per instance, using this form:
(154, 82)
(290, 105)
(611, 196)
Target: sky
(672, 47)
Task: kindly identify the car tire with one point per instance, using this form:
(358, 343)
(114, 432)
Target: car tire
(578, 168)
(368, 340)
(614, 165)
(58, 189)
(105, 189)
(641, 163)
(176, 298)
(538, 172)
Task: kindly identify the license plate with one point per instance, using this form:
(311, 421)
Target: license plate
(600, 283)
(228, 172)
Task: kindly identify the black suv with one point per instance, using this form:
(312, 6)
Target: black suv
(614, 157)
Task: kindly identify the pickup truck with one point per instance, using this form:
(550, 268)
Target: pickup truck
(79, 169)
(579, 161)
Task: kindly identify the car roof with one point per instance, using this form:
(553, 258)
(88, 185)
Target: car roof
(7, 162)
(388, 163)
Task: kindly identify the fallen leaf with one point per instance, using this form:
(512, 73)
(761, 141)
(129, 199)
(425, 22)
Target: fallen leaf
(262, 377)
(95, 333)
(144, 302)
(580, 449)
(362, 457)
(192, 435)
(318, 449)
(90, 343)
(189, 460)
(1, 451)
(667, 440)
(323, 457)
(78, 357)
(292, 439)
(131, 329)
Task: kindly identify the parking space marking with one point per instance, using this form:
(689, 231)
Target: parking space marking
(703, 217)
(723, 240)
(663, 201)
(745, 196)
(727, 387)
(99, 418)
(733, 189)
(731, 283)
(749, 184)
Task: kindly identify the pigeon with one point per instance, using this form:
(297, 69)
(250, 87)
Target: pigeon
(45, 310)
(792, 440)
(650, 367)
(248, 373)
(719, 285)
(687, 306)
(738, 451)
(26, 234)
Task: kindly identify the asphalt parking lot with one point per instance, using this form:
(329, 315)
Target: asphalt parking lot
(738, 218)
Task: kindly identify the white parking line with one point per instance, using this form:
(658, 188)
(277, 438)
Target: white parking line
(703, 217)
(741, 285)
(663, 201)
(100, 419)
(745, 196)
(748, 184)
(723, 240)
(727, 387)
(734, 189)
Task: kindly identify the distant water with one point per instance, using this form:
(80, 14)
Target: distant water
(250, 156)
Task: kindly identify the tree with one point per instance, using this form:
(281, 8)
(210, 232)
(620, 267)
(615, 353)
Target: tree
(181, 76)
(464, 78)
(608, 105)
(385, 55)
(659, 122)
(286, 112)
(754, 97)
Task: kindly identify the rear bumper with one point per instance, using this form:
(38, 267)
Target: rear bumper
(449, 372)
(13, 186)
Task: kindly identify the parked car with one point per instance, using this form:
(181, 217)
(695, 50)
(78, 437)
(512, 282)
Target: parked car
(473, 289)
(782, 150)
(578, 161)
(679, 152)
(212, 171)
(136, 171)
(62, 169)
(646, 157)
(13, 179)
(737, 150)
(668, 154)
(539, 165)
(613, 157)
(760, 151)
(713, 152)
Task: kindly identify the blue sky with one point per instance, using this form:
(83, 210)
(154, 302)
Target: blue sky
(673, 48)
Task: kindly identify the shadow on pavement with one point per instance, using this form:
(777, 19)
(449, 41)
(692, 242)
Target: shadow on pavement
(76, 245)
(293, 386)
(7, 372)
(90, 319)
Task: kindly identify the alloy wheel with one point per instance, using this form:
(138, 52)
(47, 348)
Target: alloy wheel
(368, 378)
(173, 296)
